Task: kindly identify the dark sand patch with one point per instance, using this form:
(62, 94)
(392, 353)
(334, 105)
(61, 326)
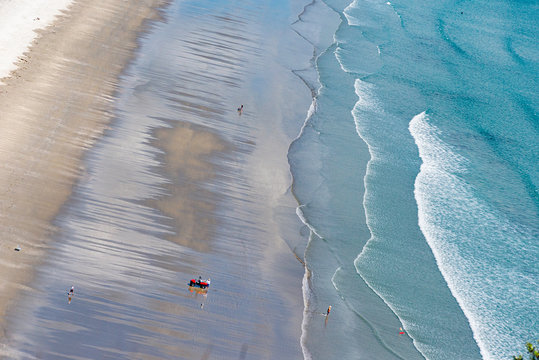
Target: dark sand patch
(187, 159)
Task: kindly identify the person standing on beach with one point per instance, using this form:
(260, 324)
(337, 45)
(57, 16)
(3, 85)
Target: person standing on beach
(70, 294)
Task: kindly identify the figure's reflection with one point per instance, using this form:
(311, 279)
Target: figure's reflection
(197, 290)
(200, 286)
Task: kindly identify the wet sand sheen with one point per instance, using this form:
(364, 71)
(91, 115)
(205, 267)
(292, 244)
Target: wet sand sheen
(180, 185)
(52, 108)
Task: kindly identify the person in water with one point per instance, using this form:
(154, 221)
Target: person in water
(72, 291)
(328, 311)
(240, 109)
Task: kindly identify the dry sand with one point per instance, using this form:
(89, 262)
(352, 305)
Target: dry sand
(52, 108)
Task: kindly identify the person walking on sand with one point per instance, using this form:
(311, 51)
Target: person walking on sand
(70, 294)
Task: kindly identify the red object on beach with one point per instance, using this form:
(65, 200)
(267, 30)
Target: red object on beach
(199, 283)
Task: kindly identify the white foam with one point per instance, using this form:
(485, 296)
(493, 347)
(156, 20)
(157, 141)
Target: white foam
(18, 20)
(299, 213)
(479, 252)
(304, 324)
(352, 20)
(432, 150)
(356, 14)
(367, 102)
(310, 113)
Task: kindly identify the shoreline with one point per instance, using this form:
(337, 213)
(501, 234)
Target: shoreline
(55, 105)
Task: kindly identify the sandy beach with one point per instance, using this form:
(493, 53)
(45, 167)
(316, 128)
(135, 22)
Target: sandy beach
(54, 106)
(127, 198)
(295, 154)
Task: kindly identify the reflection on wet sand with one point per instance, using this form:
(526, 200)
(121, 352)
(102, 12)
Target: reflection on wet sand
(53, 108)
(172, 190)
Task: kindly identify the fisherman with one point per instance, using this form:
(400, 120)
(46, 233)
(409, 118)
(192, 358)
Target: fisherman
(199, 280)
(328, 311)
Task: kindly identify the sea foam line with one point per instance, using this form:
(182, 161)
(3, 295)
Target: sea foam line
(367, 101)
(435, 155)
(306, 289)
(307, 293)
(299, 213)
(474, 246)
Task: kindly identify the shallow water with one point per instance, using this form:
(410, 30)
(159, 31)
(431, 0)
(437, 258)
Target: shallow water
(428, 108)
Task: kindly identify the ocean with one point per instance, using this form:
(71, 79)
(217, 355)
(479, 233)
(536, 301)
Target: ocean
(417, 176)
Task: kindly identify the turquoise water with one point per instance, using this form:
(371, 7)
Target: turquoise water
(425, 128)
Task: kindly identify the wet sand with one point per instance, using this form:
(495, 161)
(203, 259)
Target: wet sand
(53, 107)
(178, 185)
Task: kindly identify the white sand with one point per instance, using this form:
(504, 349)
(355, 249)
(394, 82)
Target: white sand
(18, 21)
